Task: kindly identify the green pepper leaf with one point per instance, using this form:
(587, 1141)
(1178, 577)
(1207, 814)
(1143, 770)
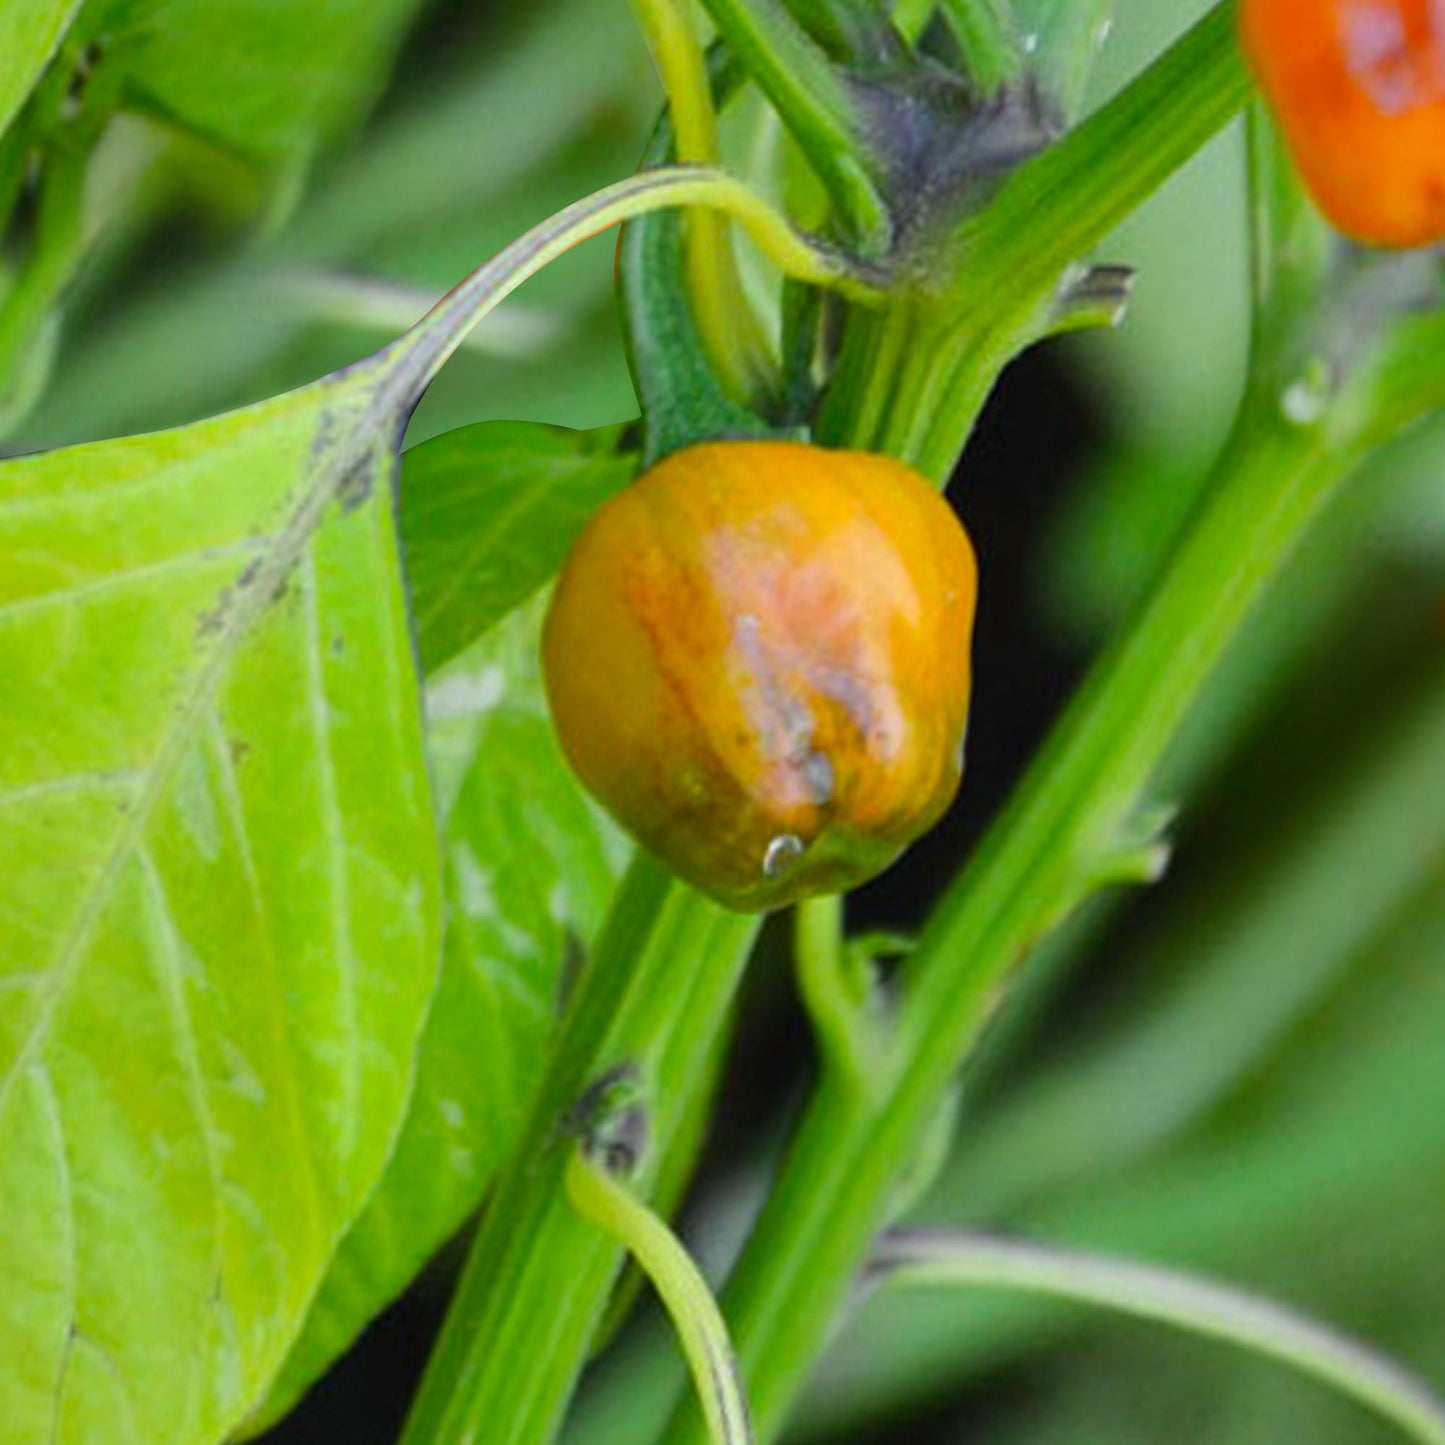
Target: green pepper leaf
(488, 512)
(220, 880)
(531, 867)
(30, 33)
(269, 81)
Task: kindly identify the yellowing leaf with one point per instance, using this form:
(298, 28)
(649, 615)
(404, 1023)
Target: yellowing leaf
(219, 884)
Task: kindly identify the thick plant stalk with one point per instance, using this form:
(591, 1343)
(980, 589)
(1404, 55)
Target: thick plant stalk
(914, 375)
(649, 1008)
(1073, 827)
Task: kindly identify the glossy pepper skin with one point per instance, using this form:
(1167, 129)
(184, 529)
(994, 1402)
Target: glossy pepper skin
(1358, 88)
(757, 658)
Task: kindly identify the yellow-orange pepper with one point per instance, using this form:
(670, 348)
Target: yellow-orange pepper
(757, 658)
(1358, 88)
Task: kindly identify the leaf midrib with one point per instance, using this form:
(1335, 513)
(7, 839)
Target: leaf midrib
(248, 606)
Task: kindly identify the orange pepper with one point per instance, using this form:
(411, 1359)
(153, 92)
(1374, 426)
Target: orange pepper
(757, 658)
(1358, 89)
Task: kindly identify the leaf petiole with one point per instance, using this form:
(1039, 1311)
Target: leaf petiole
(599, 1196)
(425, 349)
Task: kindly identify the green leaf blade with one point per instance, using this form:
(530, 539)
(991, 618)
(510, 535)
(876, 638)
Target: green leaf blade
(488, 512)
(219, 883)
(267, 80)
(531, 867)
(30, 32)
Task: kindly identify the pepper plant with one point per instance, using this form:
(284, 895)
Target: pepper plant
(312, 950)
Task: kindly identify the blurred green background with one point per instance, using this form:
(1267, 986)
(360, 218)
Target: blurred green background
(1241, 1072)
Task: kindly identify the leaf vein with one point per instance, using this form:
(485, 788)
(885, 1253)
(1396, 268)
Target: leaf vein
(275, 565)
(234, 801)
(55, 1119)
(170, 972)
(121, 779)
(83, 592)
(344, 944)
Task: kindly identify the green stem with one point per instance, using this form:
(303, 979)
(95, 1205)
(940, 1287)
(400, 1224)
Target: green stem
(912, 17)
(57, 249)
(1058, 206)
(426, 348)
(862, 394)
(649, 1009)
(855, 30)
(1067, 43)
(813, 99)
(599, 1197)
(1063, 834)
(15, 153)
(1055, 210)
(63, 235)
(930, 1260)
(989, 40)
(837, 1001)
(725, 319)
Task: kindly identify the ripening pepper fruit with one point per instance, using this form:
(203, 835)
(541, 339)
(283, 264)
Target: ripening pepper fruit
(1358, 89)
(757, 658)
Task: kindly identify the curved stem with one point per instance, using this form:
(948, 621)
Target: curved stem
(835, 1001)
(725, 319)
(425, 349)
(601, 1198)
(928, 1260)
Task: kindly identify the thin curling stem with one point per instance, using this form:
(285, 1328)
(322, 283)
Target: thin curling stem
(729, 328)
(835, 1001)
(425, 349)
(598, 1196)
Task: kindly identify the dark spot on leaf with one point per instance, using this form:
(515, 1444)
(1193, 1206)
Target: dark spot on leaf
(356, 489)
(213, 619)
